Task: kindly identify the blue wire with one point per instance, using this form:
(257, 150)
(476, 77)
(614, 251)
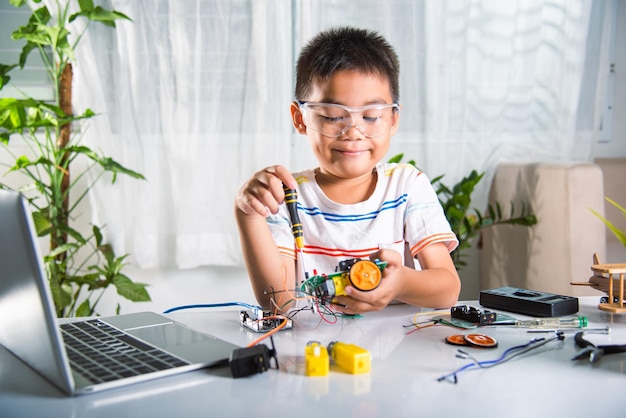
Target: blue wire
(211, 305)
(500, 359)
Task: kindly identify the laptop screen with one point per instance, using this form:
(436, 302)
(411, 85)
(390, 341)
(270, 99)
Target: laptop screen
(28, 327)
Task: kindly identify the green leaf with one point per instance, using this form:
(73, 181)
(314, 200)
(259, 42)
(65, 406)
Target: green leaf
(62, 295)
(396, 158)
(111, 165)
(92, 281)
(98, 14)
(17, 115)
(135, 292)
(619, 234)
(43, 226)
(4, 74)
(75, 234)
(85, 5)
(107, 251)
(20, 3)
(61, 249)
(84, 309)
(26, 50)
(97, 234)
(614, 203)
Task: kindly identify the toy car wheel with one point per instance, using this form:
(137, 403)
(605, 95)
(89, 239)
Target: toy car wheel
(365, 275)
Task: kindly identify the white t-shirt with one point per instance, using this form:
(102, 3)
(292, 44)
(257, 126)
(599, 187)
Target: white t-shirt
(403, 210)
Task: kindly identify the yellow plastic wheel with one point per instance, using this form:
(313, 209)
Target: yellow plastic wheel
(365, 275)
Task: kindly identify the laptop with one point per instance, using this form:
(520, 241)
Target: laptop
(157, 345)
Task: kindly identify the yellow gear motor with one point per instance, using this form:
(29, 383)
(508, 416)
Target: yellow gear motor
(349, 357)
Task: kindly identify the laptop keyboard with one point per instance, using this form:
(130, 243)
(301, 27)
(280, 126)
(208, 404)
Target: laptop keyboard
(102, 353)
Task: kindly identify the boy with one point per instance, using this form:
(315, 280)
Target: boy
(352, 205)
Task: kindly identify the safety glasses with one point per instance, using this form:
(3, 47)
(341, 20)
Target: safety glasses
(334, 120)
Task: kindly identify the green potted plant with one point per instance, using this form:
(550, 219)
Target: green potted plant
(80, 266)
(467, 222)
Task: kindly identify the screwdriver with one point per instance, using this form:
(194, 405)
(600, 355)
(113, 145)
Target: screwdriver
(544, 323)
(291, 200)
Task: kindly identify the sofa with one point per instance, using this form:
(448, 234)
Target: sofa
(614, 172)
(559, 249)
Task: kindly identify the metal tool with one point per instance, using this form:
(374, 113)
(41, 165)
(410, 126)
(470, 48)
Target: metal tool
(553, 323)
(291, 200)
(595, 352)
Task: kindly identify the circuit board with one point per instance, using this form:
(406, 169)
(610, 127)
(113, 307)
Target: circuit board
(262, 321)
(362, 274)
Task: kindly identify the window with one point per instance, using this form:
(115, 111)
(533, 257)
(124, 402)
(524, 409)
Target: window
(32, 81)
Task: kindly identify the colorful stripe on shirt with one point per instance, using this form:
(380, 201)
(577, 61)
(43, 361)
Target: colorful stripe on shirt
(334, 217)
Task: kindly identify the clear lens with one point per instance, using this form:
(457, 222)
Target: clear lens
(334, 120)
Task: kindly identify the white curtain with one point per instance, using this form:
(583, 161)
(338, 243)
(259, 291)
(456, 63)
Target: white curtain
(194, 94)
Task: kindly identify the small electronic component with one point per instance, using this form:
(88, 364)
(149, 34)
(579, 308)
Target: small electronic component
(362, 274)
(528, 302)
(473, 315)
(252, 360)
(349, 357)
(473, 340)
(316, 361)
(259, 320)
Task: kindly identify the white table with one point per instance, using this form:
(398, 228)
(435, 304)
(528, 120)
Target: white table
(402, 381)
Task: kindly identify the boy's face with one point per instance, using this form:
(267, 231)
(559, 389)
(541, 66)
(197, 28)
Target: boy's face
(352, 154)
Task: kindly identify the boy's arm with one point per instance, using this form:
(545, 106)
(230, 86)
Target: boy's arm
(267, 268)
(437, 285)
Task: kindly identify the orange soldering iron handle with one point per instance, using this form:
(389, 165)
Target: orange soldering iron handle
(291, 200)
(365, 275)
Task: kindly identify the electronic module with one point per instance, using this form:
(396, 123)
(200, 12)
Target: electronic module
(260, 320)
(364, 275)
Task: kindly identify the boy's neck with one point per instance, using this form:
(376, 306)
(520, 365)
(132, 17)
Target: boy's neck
(347, 191)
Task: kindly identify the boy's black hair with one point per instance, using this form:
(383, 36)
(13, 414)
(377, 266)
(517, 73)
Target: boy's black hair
(346, 48)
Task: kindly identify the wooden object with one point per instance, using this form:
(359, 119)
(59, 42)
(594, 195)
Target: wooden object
(609, 273)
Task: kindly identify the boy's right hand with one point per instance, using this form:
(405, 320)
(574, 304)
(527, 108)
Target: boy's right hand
(263, 193)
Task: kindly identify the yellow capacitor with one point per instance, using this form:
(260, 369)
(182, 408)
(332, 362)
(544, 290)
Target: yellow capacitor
(316, 362)
(349, 357)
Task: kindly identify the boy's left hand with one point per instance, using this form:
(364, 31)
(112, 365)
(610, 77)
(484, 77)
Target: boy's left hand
(374, 300)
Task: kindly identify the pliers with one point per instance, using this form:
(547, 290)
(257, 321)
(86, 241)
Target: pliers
(593, 352)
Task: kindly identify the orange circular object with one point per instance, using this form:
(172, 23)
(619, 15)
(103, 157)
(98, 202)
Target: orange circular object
(456, 339)
(365, 275)
(481, 340)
